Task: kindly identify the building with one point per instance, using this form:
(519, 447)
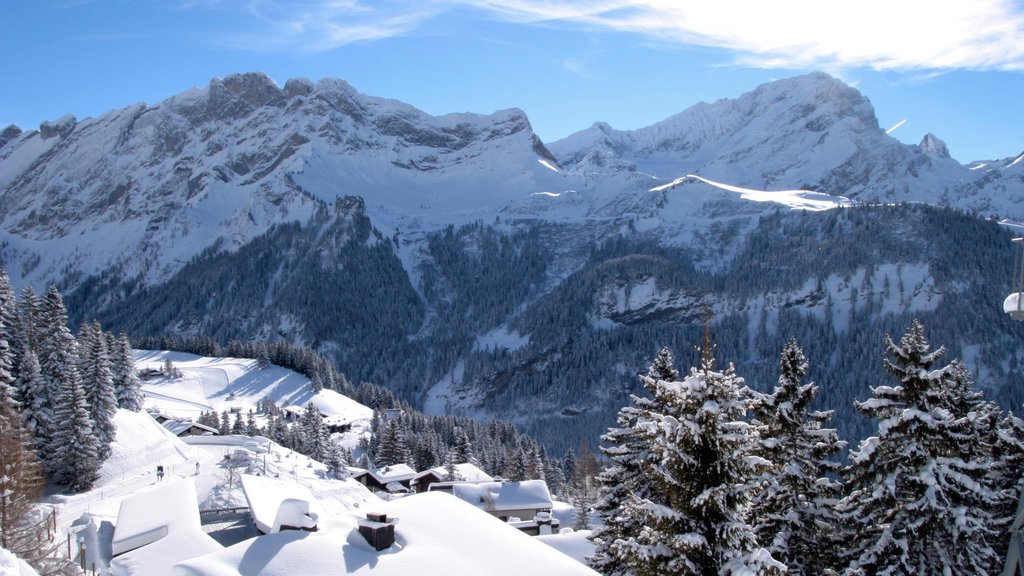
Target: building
(394, 479)
(464, 472)
(182, 428)
(157, 528)
(504, 500)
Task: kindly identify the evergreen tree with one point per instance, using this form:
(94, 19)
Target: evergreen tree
(918, 501)
(251, 429)
(238, 426)
(793, 511)
(314, 434)
(224, 428)
(392, 448)
(463, 447)
(75, 446)
(686, 514)
(35, 411)
(627, 448)
(126, 378)
(1005, 476)
(94, 364)
(58, 365)
(8, 322)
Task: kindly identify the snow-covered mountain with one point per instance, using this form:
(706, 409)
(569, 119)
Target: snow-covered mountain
(810, 132)
(464, 263)
(151, 186)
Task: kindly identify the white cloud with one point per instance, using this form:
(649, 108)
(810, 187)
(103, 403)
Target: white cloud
(880, 34)
(903, 35)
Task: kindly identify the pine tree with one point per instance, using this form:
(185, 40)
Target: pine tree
(627, 448)
(314, 434)
(94, 364)
(793, 511)
(8, 322)
(463, 447)
(686, 514)
(251, 429)
(75, 446)
(35, 410)
(58, 364)
(126, 378)
(1005, 477)
(224, 428)
(392, 448)
(918, 502)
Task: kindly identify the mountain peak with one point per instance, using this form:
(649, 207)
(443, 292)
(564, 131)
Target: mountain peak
(933, 146)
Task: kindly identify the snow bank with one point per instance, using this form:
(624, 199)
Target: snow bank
(11, 565)
(140, 446)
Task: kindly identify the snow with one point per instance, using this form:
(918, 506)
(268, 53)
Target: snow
(11, 565)
(157, 528)
(504, 496)
(435, 534)
(275, 502)
(571, 543)
(795, 199)
(1013, 304)
(465, 471)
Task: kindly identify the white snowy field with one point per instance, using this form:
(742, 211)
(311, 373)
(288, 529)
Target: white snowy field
(220, 384)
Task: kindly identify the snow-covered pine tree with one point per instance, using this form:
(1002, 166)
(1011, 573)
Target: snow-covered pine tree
(238, 426)
(793, 509)
(392, 448)
(463, 447)
(314, 434)
(28, 305)
(917, 501)
(628, 450)
(8, 324)
(1006, 476)
(35, 410)
(251, 429)
(58, 363)
(75, 447)
(690, 516)
(98, 382)
(224, 427)
(126, 379)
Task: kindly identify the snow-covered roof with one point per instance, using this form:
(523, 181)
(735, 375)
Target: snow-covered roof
(176, 427)
(436, 534)
(267, 496)
(498, 496)
(465, 471)
(393, 473)
(157, 528)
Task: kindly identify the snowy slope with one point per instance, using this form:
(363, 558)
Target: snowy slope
(219, 384)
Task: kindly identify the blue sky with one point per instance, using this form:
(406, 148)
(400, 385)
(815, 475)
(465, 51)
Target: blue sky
(955, 68)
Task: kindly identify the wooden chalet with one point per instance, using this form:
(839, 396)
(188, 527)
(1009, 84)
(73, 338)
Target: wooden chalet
(394, 479)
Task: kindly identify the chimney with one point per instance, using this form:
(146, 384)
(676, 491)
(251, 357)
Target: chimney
(378, 530)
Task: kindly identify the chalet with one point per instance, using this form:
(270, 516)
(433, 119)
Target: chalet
(334, 424)
(150, 374)
(157, 528)
(161, 418)
(464, 472)
(279, 504)
(182, 428)
(394, 479)
(505, 500)
(393, 413)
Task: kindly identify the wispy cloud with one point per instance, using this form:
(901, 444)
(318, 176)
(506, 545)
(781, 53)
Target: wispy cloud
(879, 34)
(906, 35)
